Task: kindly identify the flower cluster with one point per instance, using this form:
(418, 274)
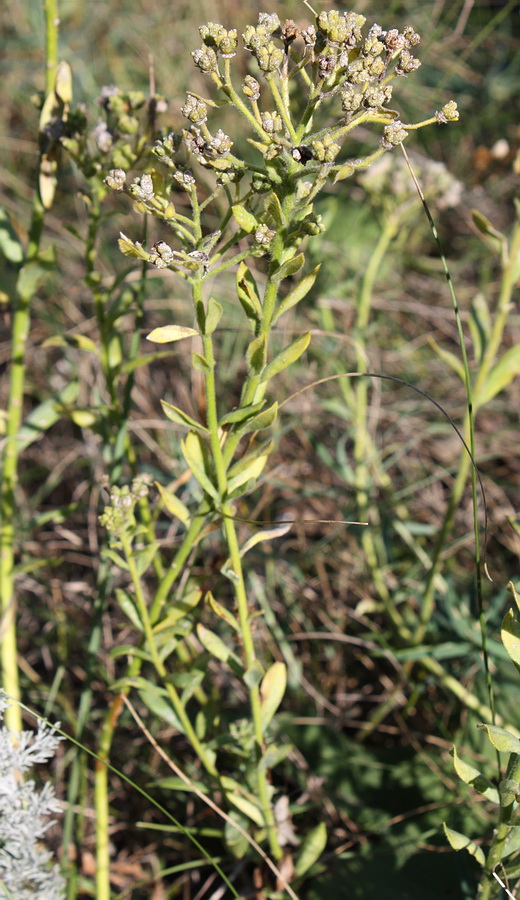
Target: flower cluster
(26, 869)
(119, 518)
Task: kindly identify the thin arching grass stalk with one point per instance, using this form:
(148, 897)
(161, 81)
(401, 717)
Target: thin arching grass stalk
(20, 330)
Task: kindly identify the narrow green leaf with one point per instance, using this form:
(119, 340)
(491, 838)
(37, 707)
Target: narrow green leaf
(289, 355)
(236, 842)
(268, 534)
(449, 358)
(470, 775)
(459, 841)
(174, 783)
(132, 249)
(10, 245)
(480, 325)
(246, 220)
(174, 506)
(222, 612)
(510, 635)
(128, 607)
(156, 701)
(262, 449)
(131, 651)
(216, 646)
(213, 316)
(491, 236)
(77, 341)
(200, 363)
(251, 473)
(46, 414)
(264, 419)
(256, 355)
(344, 171)
(116, 559)
(241, 414)
(298, 292)
(502, 740)
(194, 452)
(311, 849)
(179, 610)
(274, 755)
(181, 418)
(290, 267)
(247, 293)
(503, 373)
(144, 360)
(247, 807)
(274, 209)
(34, 272)
(272, 691)
(144, 557)
(170, 333)
(254, 674)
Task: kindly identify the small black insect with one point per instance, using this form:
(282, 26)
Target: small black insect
(302, 154)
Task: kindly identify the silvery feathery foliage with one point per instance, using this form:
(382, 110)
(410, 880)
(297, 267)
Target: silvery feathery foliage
(26, 870)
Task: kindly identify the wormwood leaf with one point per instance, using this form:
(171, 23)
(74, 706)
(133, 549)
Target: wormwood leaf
(193, 450)
(170, 333)
(173, 504)
(272, 691)
(268, 534)
(256, 355)
(246, 220)
(264, 419)
(289, 355)
(503, 373)
(129, 608)
(470, 775)
(501, 739)
(181, 418)
(298, 292)
(289, 267)
(510, 635)
(459, 841)
(311, 849)
(222, 612)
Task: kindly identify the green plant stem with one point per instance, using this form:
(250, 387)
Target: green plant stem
(497, 331)
(20, 331)
(488, 885)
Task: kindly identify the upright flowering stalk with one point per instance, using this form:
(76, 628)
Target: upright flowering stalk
(224, 204)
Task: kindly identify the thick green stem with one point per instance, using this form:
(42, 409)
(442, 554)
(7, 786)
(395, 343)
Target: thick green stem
(20, 331)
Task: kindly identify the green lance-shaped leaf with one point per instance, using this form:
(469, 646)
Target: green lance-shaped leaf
(77, 341)
(272, 691)
(289, 267)
(213, 316)
(250, 473)
(243, 800)
(264, 419)
(156, 700)
(10, 245)
(503, 373)
(256, 355)
(247, 293)
(129, 608)
(459, 841)
(491, 235)
(344, 171)
(262, 449)
(180, 609)
(34, 272)
(144, 557)
(200, 364)
(194, 452)
(132, 249)
(181, 418)
(169, 333)
(298, 292)
(470, 775)
(273, 208)
(289, 355)
(254, 674)
(268, 534)
(311, 849)
(46, 414)
(236, 841)
(174, 506)
(510, 635)
(222, 612)
(246, 220)
(220, 650)
(502, 740)
(240, 415)
(480, 325)
(449, 358)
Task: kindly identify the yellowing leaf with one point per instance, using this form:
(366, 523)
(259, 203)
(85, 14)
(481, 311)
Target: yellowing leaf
(272, 691)
(181, 418)
(168, 333)
(174, 506)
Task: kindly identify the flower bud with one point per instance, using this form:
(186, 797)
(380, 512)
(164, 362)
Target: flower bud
(448, 113)
(194, 109)
(116, 180)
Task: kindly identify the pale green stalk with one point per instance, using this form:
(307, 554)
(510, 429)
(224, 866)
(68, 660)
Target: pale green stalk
(20, 332)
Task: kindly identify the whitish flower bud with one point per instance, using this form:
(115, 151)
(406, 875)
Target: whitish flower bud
(161, 255)
(195, 110)
(393, 135)
(271, 122)
(194, 142)
(309, 36)
(116, 180)
(221, 143)
(394, 40)
(407, 63)
(184, 178)
(103, 137)
(448, 113)
(264, 235)
(377, 96)
(142, 188)
(205, 59)
(412, 37)
(251, 88)
(326, 65)
(228, 44)
(269, 21)
(269, 58)
(212, 33)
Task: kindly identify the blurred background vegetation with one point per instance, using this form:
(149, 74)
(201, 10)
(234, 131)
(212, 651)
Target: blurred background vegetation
(372, 731)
